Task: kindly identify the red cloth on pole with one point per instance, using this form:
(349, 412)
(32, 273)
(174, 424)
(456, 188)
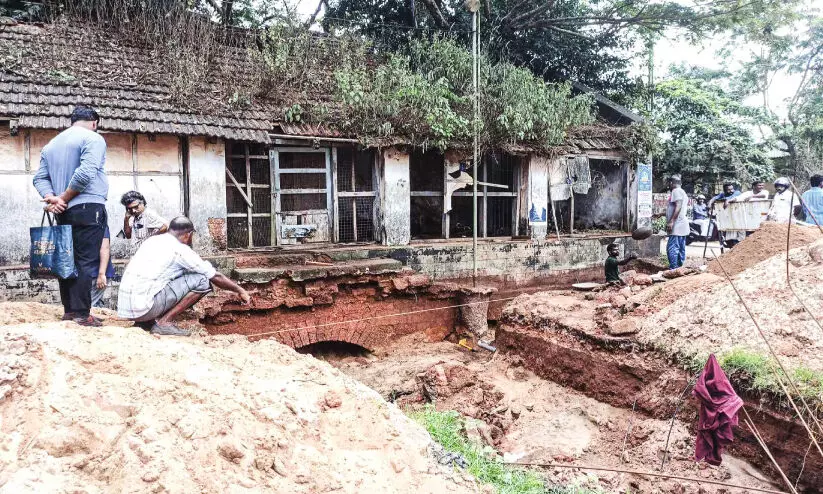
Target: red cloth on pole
(719, 405)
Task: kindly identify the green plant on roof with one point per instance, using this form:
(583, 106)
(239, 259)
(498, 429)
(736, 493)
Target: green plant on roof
(294, 114)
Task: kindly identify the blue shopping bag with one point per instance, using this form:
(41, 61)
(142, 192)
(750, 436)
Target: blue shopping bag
(52, 250)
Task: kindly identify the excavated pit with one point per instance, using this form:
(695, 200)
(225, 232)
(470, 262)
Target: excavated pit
(536, 396)
(577, 362)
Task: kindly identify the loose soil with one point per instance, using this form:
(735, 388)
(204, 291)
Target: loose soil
(529, 419)
(711, 318)
(767, 241)
(114, 409)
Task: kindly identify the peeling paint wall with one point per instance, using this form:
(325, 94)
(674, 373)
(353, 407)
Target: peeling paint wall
(152, 165)
(207, 193)
(19, 201)
(604, 206)
(515, 263)
(395, 197)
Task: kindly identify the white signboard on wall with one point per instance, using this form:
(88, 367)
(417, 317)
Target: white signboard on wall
(538, 191)
(644, 194)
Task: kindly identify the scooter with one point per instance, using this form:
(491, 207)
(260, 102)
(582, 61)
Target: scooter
(714, 235)
(696, 232)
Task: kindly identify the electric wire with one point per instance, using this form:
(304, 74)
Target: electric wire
(774, 356)
(647, 474)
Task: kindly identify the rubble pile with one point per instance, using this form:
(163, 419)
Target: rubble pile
(116, 410)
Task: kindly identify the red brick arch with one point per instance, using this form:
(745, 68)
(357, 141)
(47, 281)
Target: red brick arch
(298, 338)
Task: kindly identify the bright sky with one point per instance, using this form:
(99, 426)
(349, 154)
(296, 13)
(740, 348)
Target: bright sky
(674, 52)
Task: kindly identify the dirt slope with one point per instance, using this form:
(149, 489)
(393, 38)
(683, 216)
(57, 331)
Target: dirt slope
(543, 421)
(712, 319)
(115, 410)
(767, 241)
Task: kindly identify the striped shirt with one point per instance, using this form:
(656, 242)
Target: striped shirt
(158, 261)
(813, 200)
(145, 225)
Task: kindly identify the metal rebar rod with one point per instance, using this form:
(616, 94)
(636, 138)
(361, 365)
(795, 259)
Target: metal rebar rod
(776, 359)
(674, 416)
(750, 424)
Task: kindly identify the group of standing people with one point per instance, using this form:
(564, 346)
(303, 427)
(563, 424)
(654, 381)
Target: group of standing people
(164, 277)
(785, 206)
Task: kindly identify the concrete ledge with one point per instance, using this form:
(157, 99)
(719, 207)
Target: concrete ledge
(311, 272)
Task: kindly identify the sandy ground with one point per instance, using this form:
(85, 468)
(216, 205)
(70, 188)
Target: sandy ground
(552, 424)
(711, 318)
(113, 409)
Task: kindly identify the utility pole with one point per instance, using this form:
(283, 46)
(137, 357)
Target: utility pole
(473, 6)
(650, 49)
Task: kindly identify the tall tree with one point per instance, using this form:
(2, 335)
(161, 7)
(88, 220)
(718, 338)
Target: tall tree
(590, 41)
(707, 133)
(794, 56)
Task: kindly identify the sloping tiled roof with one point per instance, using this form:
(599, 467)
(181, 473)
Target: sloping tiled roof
(126, 99)
(45, 71)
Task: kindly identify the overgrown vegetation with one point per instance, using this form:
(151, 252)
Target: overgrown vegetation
(422, 95)
(446, 428)
(708, 138)
(753, 372)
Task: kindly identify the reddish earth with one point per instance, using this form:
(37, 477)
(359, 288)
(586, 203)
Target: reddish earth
(531, 419)
(768, 241)
(298, 327)
(302, 313)
(618, 373)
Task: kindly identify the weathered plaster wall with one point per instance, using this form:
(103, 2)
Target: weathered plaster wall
(605, 204)
(509, 263)
(395, 198)
(152, 165)
(207, 193)
(19, 201)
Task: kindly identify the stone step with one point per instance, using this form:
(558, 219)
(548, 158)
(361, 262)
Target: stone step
(305, 272)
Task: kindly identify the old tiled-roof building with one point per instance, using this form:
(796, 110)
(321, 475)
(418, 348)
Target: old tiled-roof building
(248, 179)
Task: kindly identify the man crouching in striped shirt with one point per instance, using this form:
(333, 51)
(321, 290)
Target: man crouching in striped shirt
(166, 277)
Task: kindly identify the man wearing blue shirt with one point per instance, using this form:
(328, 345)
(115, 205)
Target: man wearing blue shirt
(813, 201)
(729, 192)
(73, 183)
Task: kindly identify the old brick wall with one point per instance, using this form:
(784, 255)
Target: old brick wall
(364, 309)
(298, 327)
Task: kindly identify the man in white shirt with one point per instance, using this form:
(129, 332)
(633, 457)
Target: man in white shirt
(166, 277)
(140, 222)
(758, 192)
(784, 204)
(677, 225)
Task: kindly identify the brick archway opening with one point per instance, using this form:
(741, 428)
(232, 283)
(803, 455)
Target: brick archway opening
(334, 350)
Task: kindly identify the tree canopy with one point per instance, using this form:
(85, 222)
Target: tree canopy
(707, 132)
(588, 41)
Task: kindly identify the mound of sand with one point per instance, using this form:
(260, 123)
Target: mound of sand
(768, 241)
(117, 410)
(711, 318)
